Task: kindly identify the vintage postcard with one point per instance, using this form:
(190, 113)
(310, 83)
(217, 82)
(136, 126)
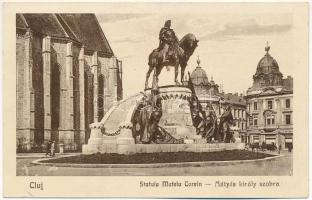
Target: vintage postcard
(184, 100)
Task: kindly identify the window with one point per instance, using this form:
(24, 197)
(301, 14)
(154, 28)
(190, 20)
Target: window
(255, 106)
(288, 119)
(270, 120)
(270, 105)
(287, 103)
(255, 121)
(250, 121)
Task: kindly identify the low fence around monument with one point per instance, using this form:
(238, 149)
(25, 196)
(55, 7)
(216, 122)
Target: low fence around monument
(155, 148)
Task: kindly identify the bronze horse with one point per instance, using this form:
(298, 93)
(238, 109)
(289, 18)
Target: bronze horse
(181, 56)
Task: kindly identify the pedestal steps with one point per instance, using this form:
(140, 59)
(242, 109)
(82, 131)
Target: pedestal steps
(154, 148)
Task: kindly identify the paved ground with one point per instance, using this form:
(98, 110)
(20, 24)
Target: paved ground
(279, 167)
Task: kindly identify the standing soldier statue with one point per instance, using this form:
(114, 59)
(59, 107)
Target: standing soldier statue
(226, 120)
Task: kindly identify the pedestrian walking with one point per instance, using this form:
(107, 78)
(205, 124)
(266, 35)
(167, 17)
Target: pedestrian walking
(48, 150)
(290, 146)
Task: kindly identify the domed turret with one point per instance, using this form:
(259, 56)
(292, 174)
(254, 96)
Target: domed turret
(267, 64)
(201, 83)
(199, 76)
(267, 73)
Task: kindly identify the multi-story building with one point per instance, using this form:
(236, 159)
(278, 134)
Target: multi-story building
(208, 92)
(67, 78)
(269, 105)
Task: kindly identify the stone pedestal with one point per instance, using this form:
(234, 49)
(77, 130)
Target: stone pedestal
(176, 118)
(125, 141)
(95, 141)
(109, 144)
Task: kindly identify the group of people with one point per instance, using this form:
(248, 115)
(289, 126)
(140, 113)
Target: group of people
(271, 147)
(50, 151)
(209, 126)
(146, 119)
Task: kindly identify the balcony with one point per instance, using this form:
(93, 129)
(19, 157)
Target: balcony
(269, 128)
(253, 127)
(286, 126)
(255, 112)
(284, 110)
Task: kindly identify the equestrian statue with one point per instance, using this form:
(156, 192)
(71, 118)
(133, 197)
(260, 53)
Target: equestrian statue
(171, 52)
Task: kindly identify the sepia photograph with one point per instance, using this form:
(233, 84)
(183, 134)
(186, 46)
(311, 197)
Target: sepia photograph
(160, 90)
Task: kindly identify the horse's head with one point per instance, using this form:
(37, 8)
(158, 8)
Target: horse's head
(189, 43)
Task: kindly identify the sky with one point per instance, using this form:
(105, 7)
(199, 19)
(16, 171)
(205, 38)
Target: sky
(230, 43)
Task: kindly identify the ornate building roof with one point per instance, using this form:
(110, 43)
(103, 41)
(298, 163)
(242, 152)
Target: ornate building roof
(233, 99)
(268, 76)
(83, 28)
(267, 73)
(208, 91)
(267, 64)
(199, 76)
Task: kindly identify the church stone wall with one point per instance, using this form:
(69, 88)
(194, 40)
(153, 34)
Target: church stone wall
(21, 126)
(37, 85)
(103, 86)
(50, 107)
(20, 54)
(76, 99)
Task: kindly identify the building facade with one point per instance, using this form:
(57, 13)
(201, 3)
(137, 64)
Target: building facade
(269, 105)
(67, 78)
(209, 92)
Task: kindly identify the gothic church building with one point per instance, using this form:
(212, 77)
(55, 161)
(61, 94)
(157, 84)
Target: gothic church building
(67, 78)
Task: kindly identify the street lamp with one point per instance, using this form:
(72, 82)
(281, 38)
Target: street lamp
(278, 138)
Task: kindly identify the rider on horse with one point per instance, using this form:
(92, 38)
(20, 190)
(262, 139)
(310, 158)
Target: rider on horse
(168, 41)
